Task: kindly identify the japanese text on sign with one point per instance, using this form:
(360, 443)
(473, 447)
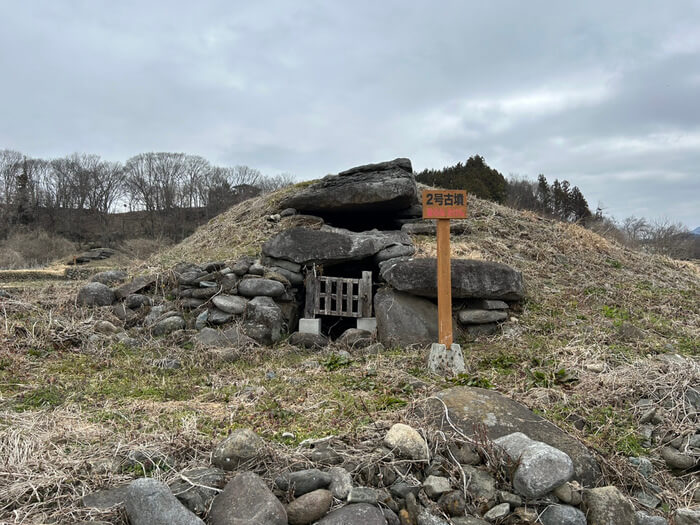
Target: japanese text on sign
(444, 204)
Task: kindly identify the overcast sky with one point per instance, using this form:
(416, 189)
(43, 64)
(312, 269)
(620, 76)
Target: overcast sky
(603, 94)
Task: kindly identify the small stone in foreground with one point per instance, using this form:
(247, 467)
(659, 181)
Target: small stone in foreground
(562, 515)
(309, 507)
(498, 512)
(341, 482)
(150, 502)
(407, 442)
(687, 517)
(645, 519)
(436, 486)
(303, 481)
(246, 500)
(356, 514)
(607, 506)
(242, 445)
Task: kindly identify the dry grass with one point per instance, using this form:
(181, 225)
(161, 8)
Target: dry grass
(68, 406)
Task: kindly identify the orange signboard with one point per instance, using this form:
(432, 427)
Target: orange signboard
(444, 204)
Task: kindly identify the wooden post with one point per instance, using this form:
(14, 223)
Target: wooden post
(444, 205)
(444, 282)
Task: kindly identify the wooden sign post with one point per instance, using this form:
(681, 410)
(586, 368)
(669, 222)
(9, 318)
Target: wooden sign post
(444, 205)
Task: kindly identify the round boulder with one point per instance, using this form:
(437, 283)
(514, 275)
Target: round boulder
(95, 294)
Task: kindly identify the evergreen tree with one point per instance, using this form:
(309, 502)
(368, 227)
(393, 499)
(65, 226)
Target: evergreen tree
(544, 194)
(22, 200)
(475, 176)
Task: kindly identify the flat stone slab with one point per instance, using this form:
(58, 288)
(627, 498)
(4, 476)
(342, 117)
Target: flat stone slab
(329, 245)
(470, 406)
(384, 187)
(470, 278)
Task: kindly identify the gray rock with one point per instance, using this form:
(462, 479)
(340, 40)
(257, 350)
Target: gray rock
(240, 268)
(95, 294)
(488, 304)
(256, 269)
(392, 252)
(168, 325)
(107, 498)
(134, 286)
(294, 278)
(246, 500)
(196, 488)
(362, 495)
(428, 227)
(566, 493)
(497, 513)
(468, 520)
(204, 293)
(481, 330)
(150, 502)
(303, 481)
(647, 499)
(642, 465)
(218, 317)
(390, 517)
(110, 277)
(481, 316)
(328, 245)
(436, 486)
(189, 303)
(310, 341)
(645, 519)
(263, 320)
(540, 467)
(426, 518)
(355, 338)
(677, 460)
(158, 313)
(201, 320)
(386, 186)
(240, 447)
(105, 327)
(687, 517)
(356, 514)
(470, 278)
(480, 483)
(452, 503)
(470, 406)
(607, 506)
(309, 507)
(692, 396)
(508, 497)
(136, 301)
(212, 338)
(260, 287)
(341, 482)
(404, 319)
(562, 515)
(405, 441)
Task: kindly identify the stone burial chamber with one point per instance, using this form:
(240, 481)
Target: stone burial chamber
(355, 238)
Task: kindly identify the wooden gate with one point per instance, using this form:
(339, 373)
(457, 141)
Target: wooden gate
(338, 296)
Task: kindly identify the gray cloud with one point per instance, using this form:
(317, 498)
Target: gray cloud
(602, 94)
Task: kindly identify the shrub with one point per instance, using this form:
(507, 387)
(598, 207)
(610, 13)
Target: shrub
(26, 248)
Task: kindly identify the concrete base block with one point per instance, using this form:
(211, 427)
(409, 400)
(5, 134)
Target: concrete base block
(367, 323)
(310, 326)
(444, 361)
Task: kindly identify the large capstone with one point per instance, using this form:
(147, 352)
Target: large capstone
(469, 408)
(386, 186)
(329, 245)
(470, 278)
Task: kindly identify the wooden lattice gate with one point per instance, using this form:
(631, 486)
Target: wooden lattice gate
(338, 296)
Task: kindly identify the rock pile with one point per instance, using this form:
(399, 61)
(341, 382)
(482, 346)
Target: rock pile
(259, 299)
(402, 477)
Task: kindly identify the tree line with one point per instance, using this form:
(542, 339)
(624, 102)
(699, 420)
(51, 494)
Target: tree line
(562, 201)
(163, 185)
(559, 200)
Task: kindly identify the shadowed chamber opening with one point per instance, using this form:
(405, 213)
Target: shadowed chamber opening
(365, 220)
